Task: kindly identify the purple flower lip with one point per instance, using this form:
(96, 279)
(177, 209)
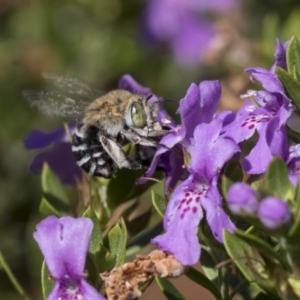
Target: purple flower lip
(64, 243)
(274, 212)
(200, 136)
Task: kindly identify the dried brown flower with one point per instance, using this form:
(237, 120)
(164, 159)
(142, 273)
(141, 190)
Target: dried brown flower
(123, 283)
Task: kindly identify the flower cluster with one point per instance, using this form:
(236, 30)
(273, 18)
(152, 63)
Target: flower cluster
(183, 25)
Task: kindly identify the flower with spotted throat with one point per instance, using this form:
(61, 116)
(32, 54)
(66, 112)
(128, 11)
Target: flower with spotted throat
(64, 243)
(200, 137)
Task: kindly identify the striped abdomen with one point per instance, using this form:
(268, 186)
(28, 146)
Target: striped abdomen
(90, 155)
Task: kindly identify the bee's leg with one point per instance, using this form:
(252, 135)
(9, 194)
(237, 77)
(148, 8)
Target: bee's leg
(116, 153)
(149, 133)
(136, 139)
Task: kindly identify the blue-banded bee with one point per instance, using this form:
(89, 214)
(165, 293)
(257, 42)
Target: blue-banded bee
(105, 124)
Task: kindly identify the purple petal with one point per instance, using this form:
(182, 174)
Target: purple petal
(242, 198)
(199, 105)
(166, 144)
(61, 160)
(280, 55)
(129, 84)
(210, 151)
(64, 243)
(274, 212)
(89, 292)
(272, 141)
(269, 81)
(181, 224)
(216, 218)
(37, 139)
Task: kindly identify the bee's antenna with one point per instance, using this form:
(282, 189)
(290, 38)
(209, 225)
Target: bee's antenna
(148, 98)
(170, 100)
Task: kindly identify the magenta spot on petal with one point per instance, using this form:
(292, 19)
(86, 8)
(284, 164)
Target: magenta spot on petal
(187, 194)
(179, 207)
(252, 118)
(181, 216)
(251, 126)
(195, 209)
(189, 201)
(198, 199)
(243, 124)
(183, 200)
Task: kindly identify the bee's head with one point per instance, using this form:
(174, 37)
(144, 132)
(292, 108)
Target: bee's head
(142, 113)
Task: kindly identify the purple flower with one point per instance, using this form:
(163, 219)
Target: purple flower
(274, 212)
(267, 114)
(64, 243)
(180, 24)
(207, 151)
(59, 154)
(241, 198)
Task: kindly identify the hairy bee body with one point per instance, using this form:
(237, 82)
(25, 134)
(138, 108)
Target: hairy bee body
(109, 122)
(105, 124)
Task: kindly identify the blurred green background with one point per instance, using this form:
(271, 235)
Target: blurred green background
(98, 41)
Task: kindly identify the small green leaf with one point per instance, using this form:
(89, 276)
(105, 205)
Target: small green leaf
(233, 170)
(226, 183)
(104, 260)
(277, 180)
(261, 245)
(294, 232)
(116, 242)
(12, 278)
(119, 188)
(47, 282)
(291, 86)
(202, 280)
(46, 209)
(159, 203)
(51, 184)
(293, 58)
(168, 289)
(241, 254)
(53, 190)
(96, 236)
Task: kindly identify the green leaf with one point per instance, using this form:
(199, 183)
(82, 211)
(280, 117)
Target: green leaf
(168, 289)
(46, 209)
(53, 190)
(291, 86)
(277, 181)
(116, 242)
(104, 260)
(202, 280)
(293, 58)
(226, 183)
(47, 282)
(119, 188)
(294, 232)
(159, 203)
(233, 170)
(96, 236)
(241, 254)
(261, 245)
(12, 278)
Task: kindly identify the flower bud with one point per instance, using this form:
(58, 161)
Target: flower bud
(242, 198)
(274, 212)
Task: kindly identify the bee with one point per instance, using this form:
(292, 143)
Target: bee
(105, 125)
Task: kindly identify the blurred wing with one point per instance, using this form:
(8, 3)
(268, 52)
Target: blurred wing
(66, 96)
(54, 103)
(71, 85)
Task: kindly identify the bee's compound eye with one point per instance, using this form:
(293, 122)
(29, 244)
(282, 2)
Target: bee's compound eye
(138, 115)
